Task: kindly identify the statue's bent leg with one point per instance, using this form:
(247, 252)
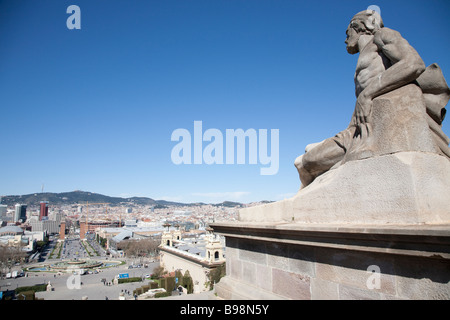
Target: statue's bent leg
(322, 157)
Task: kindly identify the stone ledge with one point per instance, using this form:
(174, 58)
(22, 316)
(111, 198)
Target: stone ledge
(191, 257)
(231, 289)
(432, 241)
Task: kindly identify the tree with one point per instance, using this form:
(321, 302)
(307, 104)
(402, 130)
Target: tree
(10, 255)
(159, 271)
(215, 275)
(138, 247)
(188, 283)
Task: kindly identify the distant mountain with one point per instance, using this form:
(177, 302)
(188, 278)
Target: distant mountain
(73, 197)
(81, 197)
(229, 204)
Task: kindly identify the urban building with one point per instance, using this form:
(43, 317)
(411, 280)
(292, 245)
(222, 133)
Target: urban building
(14, 236)
(50, 224)
(3, 210)
(199, 256)
(44, 210)
(83, 229)
(114, 235)
(62, 231)
(20, 212)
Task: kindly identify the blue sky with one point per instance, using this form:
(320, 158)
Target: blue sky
(94, 109)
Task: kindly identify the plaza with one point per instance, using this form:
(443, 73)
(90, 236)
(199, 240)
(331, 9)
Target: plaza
(92, 287)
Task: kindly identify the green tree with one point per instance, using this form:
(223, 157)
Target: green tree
(215, 275)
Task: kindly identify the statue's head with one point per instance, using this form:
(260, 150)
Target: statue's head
(364, 22)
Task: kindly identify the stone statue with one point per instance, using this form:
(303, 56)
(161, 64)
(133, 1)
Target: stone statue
(49, 286)
(391, 165)
(400, 104)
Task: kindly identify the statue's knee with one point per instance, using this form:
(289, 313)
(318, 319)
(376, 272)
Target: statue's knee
(306, 161)
(298, 162)
(309, 161)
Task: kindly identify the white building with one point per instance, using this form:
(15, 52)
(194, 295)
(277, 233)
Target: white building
(14, 236)
(198, 256)
(50, 226)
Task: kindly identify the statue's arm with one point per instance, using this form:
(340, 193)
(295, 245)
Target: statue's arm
(406, 64)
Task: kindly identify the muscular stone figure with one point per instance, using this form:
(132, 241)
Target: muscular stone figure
(386, 62)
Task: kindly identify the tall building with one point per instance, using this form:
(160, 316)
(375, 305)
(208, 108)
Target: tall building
(62, 231)
(3, 209)
(20, 212)
(44, 210)
(83, 230)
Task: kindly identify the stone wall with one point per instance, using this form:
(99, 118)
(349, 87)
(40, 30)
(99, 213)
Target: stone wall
(172, 262)
(312, 267)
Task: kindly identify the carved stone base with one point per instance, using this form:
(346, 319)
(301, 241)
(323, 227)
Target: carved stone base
(401, 188)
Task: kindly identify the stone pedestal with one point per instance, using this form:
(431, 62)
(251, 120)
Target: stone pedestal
(401, 188)
(375, 228)
(268, 261)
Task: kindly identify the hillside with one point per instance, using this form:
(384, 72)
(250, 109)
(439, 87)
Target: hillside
(75, 197)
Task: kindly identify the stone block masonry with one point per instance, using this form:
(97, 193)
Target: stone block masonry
(291, 262)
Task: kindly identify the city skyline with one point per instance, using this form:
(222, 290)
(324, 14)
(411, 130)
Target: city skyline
(94, 109)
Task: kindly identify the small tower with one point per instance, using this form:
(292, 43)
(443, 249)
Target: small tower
(166, 238)
(214, 249)
(176, 235)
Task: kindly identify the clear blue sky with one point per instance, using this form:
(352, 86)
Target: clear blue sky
(94, 109)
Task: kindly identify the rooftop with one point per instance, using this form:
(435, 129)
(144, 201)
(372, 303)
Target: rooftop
(11, 229)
